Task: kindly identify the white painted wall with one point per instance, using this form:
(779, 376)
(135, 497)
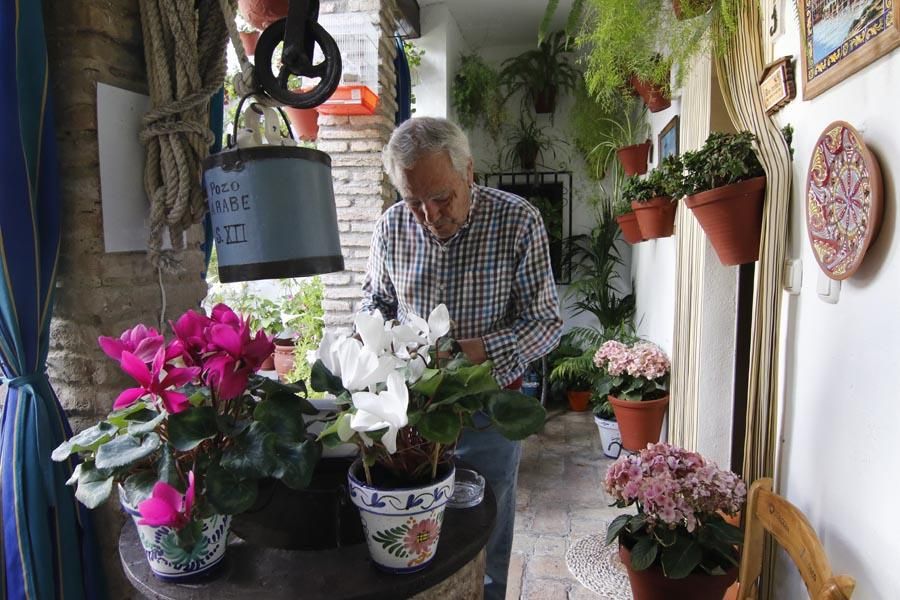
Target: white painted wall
(443, 43)
(840, 447)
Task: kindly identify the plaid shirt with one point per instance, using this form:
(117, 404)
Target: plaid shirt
(494, 276)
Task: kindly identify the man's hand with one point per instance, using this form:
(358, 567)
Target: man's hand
(473, 348)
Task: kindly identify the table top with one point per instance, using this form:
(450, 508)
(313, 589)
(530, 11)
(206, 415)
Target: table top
(335, 574)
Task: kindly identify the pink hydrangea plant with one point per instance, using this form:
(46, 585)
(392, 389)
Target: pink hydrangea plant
(632, 372)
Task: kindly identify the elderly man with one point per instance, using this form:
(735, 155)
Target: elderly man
(482, 252)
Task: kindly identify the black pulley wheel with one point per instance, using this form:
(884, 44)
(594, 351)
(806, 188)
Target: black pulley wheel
(329, 70)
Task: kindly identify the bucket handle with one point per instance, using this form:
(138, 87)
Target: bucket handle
(239, 113)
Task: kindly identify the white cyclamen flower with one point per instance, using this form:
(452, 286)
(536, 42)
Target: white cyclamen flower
(385, 410)
(371, 329)
(438, 323)
(359, 366)
(328, 353)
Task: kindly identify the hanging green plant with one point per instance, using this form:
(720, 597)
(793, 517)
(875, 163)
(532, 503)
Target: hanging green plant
(542, 74)
(527, 143)
(476, 95)
(591, 125)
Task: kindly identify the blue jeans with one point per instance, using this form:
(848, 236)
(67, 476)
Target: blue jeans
(497, 459)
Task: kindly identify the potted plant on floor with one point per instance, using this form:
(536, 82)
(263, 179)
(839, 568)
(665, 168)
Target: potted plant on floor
(406, 393)
(678, 545)
(188, 443)
(635, 377)
(652, 199)
(725, 186)
(605, 420)
(542, 74)
(476, 96)
(577, 373)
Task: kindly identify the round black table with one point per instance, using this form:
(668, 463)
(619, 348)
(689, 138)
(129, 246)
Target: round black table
(339, 573)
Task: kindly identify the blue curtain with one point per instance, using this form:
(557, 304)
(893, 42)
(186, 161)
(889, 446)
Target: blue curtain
(48, 550)
(404, 84)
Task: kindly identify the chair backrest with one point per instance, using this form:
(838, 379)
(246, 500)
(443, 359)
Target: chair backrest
(767, 511)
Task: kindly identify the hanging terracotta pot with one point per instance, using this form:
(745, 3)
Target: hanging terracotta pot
(262, 13)
(528, 156)
(545, 100)
(578, 399)
(304, 122)
(248, 41)
(652, 583)
(731, 216)
(631, 232)
(655, 217)
(284, 358)
(634, 158)
(653, 95)
(640, 422)
(690, 9)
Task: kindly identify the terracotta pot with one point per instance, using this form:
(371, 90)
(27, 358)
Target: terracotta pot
(731, 216)
(691, 9)
(304, 122)
(652, 95)
(578, 399)
(545, 100)
(284, 360)
(262, 13)
(268, 364)
(248, 40)
(652, 584)
(655, 217)
(631, 232)
(640, 423)
(634, 158)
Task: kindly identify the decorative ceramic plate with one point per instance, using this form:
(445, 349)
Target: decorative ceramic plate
(843, 200)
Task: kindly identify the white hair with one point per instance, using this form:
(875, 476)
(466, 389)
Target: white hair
(421, 136)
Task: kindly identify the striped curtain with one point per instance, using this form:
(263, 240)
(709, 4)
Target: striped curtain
(690, 247)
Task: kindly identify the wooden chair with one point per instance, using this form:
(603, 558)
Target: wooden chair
(767, 511)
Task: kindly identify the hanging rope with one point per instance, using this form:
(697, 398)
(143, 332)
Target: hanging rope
(184, 48)
(245, 81)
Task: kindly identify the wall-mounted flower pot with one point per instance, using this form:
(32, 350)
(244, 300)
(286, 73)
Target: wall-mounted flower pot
(653, 95)
(262, 13)
(631, 232)
(640, 422)
(545, 100)
(634, 158)
(731, 216)
(655, 217)
(304, 122)
(248, 41)
(690, 8)
(578, 399)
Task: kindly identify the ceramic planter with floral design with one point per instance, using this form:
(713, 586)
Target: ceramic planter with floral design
(402, 526)
(170, 561)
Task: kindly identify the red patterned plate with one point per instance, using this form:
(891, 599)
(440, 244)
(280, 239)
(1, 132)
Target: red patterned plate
(843, 200)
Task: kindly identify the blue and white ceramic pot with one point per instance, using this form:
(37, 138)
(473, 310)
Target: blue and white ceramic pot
(171, 562)
(401, 526)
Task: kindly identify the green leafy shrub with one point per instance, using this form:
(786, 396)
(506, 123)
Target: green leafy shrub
(724, 159)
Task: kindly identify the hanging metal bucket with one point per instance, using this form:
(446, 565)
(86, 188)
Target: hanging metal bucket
(272, 210)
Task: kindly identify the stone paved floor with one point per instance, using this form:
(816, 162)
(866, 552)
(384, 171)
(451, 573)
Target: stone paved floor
(560, 500)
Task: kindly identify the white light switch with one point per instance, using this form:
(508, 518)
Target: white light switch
(793, 276)
(828, 290)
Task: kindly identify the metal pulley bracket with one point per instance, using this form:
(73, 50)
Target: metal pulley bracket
(300, 32)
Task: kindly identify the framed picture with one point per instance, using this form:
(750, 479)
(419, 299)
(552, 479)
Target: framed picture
(840, 37)
(667, 141)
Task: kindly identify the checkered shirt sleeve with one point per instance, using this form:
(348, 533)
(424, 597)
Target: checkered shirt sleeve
(494, 276)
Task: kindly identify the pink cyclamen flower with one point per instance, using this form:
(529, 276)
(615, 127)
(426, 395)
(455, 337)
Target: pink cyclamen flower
(155, 382)
(233, 355)
(140, 340)
(190, 329)
(167, 507)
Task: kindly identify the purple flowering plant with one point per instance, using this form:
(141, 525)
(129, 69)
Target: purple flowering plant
(637, 371)
(681, 499)
(197, 428)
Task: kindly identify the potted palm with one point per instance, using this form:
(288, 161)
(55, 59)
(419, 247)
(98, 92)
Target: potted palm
(577, 373)
(679, 544)
(188, 443)
(725, 186)
(542, 74)
(652, 200)
(635, 377)
(405, 393)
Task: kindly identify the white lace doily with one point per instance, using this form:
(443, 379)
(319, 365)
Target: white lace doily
(596, 565)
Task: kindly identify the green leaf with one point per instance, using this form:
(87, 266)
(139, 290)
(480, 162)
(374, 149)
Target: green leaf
(94, 485)
(138, 487)
(166, 469)
(428, 384)
(228, 493)
(283, 415)
(465, 381)
(190, 427)
(121, 417)
(253, 453)
(643, 553)
(440, 426)
(322, 380)
(125, 450)
(138, 427)
(515, 415)
(682, 558)
(295, 463)
(270, 388)
(617, 525)
(85, 441)
(725, 532)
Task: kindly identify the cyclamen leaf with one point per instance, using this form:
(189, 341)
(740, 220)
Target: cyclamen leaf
(137, 427)
(295, 463)
(125, 450)
(94, 485)
(227, 493)
(515, 415)
(441, 426)
(190, 427)
(85, 441)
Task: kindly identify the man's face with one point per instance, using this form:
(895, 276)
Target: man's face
(437, 194)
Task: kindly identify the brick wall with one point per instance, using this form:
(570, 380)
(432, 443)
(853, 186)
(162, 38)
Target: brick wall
(98, 293)
(362, 190)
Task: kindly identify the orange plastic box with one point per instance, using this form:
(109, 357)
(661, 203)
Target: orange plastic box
(353, 99)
